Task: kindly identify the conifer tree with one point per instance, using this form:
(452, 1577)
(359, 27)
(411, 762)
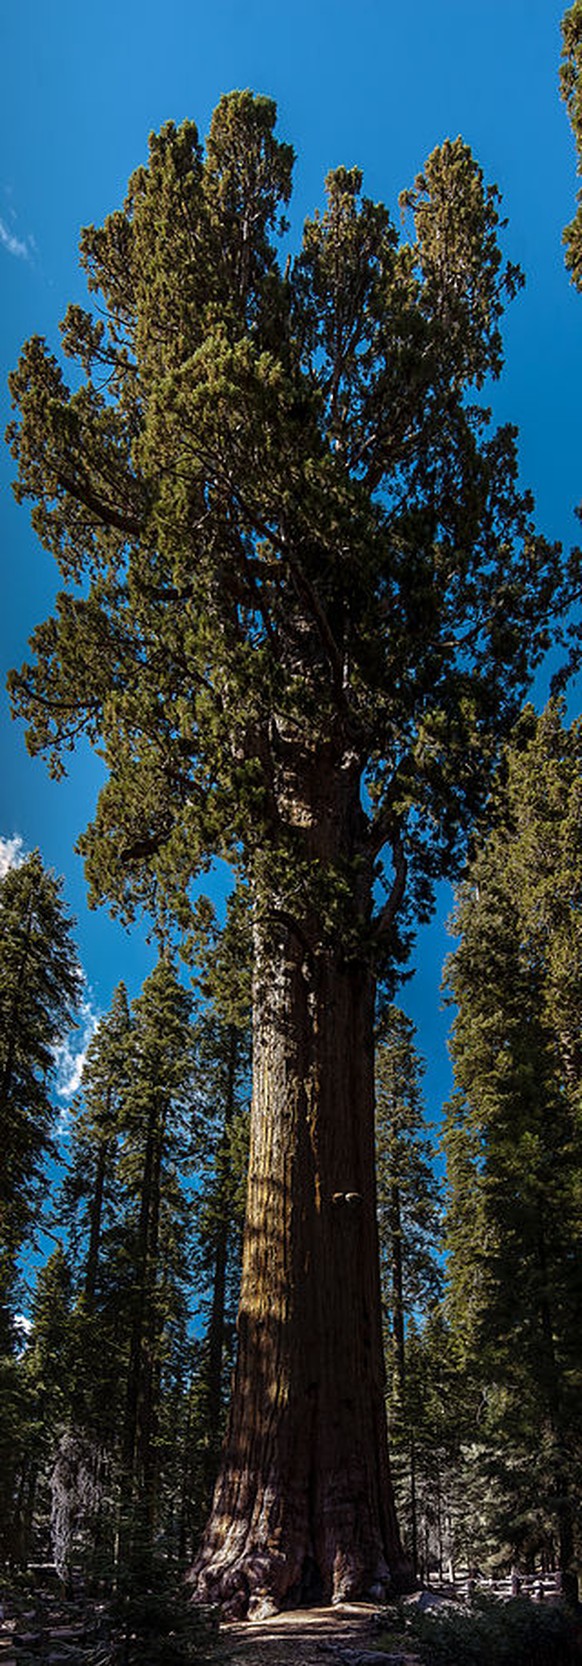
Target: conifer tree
(408, 1192)
(409, 1224)
(223, 1079)
(95, 1135)
(40, 988)
(47, 1368)
(303, 598)
(127, 1210)
(91, 1211)
(513, 1130)
(17, 1437)
(157, 1111)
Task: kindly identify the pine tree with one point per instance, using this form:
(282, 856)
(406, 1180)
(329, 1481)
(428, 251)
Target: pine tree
(408, 1191)
(40, 987)
(304, 597)
(95, 1136)
(409, 1225)
(157, 1112)
(514, 1130)
(127, 1204)
(17, 1439)
(47, 1369)
(223, 1081)
(91, 1212)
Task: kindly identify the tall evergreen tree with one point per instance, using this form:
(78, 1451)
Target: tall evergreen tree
(92, 1212)
(95, 1136)
(297, 565)
(128, 1212)
(408, 1192)
(40, 988)
(47, 1369)
(514, 1129)
(223, 1075)
(157, 1112)
(409, 1223)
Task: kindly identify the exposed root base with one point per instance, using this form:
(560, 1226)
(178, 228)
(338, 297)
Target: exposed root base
(257, 1585)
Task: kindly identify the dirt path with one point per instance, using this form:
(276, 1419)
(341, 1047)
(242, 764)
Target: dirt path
(349, 1635)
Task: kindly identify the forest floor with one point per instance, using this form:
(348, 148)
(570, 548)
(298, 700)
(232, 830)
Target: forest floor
(353, 1634)
(41, 1628)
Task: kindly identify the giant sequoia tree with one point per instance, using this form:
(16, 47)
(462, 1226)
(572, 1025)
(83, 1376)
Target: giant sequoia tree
(303, 597)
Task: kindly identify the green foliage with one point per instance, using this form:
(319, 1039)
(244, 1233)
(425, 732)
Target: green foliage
(409, 1220)
(148, 1248)
(491, 1633)
(296, 557)
(408, 1192)
(129, 1410)
(110, 1416)
(513, 1134)
(438, 1501)
(570, 90)
(40, 988)
(90, 1190)
(456, 220)
(18, 1435)
(161, 1625)
(223, 1081)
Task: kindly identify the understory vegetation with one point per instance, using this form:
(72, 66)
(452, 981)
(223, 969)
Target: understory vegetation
(489, 1633)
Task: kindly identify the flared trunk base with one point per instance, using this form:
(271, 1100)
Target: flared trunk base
(248, 1583)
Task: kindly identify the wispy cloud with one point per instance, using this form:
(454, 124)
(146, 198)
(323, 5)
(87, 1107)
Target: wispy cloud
(11, 854)
(70, 1057)
(23, 1324)
(21, 247)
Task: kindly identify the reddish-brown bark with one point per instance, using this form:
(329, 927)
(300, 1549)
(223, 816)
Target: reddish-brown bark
(303, 1504)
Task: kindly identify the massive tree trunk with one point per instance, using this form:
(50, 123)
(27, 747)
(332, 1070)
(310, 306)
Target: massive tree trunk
(303, 1504)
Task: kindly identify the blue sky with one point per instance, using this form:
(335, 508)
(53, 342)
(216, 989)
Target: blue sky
(376, 84)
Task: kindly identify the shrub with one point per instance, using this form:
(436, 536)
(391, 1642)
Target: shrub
(492, 1633)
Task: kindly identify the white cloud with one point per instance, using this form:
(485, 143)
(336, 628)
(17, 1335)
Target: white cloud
(20, 247)
(23, 1324)
(70, 1057)
(11, 854)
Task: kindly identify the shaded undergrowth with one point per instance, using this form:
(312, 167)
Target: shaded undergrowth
(490, 1633)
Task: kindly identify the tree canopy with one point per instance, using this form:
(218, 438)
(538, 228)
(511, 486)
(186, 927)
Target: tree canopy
(283, 521)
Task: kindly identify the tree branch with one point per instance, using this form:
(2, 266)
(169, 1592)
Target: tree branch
(385, 919)
(104, 512)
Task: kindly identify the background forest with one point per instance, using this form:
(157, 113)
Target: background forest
(113, 1396)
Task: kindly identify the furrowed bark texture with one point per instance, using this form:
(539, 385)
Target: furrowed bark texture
(303, 1505)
